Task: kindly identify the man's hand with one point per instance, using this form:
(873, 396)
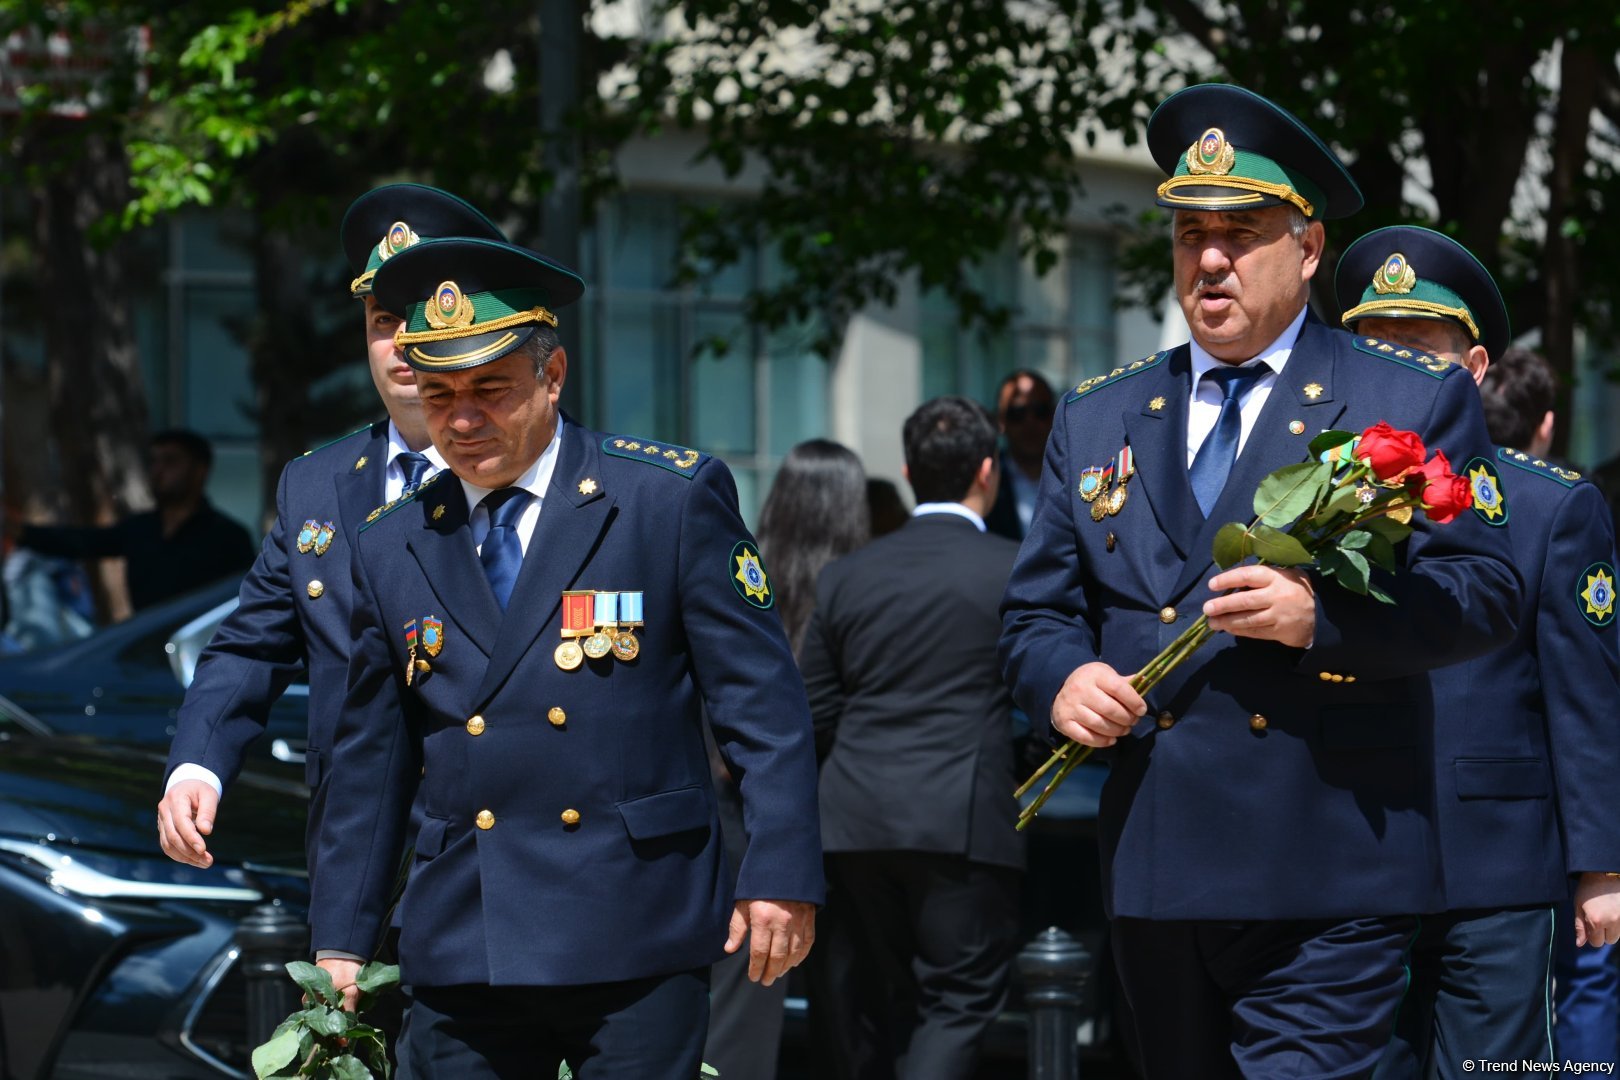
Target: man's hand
(779, 932)
(1597, 910)
(1271, 604)
(185, 816)
(1096, 706)
(343, 973)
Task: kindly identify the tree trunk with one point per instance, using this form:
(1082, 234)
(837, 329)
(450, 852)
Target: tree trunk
(1577, 92)
(97, 397)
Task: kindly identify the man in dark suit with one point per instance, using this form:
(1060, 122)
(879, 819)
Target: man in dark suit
(1526, 752)
(1267, 837)
(535, 632)
(917, 813)
(294, 609)
(1024, 407)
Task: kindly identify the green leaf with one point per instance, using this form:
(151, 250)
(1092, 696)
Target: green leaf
(1348, 568)
(329, 1021)
(1355, 540)
(1231, 545)
(1344, 501)
(1380, 552)
(315, 981)
(564, 1072)
(1290, 492)
(275, 1055)
(1388, 528)
(1277, 548)
(708, 1070)
(348, 1067)
(1379, 594)
(1328, 440)
(375, 977)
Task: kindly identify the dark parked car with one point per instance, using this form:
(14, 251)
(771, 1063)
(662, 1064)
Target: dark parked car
(118, 962)
(124, 683)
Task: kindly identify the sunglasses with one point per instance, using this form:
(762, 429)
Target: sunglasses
(1017, 414)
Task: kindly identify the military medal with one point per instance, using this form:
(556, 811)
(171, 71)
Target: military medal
(625, 645)
(410, 651)
(323, 537)
(306, 536)
(1092, 483)
(432, 634)
(1125, 468)
(578, 608)
(606, 621)
(1099, 501)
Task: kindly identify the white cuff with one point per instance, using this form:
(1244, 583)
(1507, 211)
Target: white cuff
(189, 771)
(337, 954)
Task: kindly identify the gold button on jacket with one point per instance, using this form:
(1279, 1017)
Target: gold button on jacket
(475, 725)
(570, 817)
(557, 717)
(1257, 722)
(1167, 720)
(1167, 615)
(485, 820)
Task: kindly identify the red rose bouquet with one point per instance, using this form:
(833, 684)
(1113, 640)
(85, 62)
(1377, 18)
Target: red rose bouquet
(1341, 514)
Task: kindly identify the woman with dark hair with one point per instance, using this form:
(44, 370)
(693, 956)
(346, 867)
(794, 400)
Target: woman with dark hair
(816, 512)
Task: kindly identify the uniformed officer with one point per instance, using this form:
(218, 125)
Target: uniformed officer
(1526, 754)
(294, 608)
(1266, 833)
(534, 633)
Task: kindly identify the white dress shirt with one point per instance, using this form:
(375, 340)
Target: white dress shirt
(949, 508)
(534, 480)
(1204, 404)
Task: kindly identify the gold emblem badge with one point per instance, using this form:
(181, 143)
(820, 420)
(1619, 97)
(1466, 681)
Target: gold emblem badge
(1313, 390)
(438, 511)
(569, 655)
(448, 307)
(750, 579)
(358, 465)
(1598, 594)
(1394, 276)
(587, 486)
(398, 237)
(1156, 404)
(1211, 155)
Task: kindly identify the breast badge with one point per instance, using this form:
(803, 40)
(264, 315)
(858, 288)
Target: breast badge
(597, 623)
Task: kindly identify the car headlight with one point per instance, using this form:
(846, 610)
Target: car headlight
(98, 874)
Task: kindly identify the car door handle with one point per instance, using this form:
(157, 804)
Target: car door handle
(290, 752)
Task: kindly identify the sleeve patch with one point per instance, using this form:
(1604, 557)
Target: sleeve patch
(677, 459)
(1433, 366)
(748, 575)
(1489, 502)
(1594, 594)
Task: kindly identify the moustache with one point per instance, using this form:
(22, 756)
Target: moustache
(1213, 283)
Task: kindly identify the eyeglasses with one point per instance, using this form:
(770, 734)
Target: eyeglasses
(1017, 414)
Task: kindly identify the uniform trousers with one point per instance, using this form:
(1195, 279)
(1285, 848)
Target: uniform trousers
(642, 1029)
(1274, 1000)
(1586, 997)
(1481, 990)
(932, 940)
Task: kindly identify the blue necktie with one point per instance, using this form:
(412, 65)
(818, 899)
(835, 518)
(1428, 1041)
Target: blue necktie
(415, 466)
(502, 553)
(1213, 462)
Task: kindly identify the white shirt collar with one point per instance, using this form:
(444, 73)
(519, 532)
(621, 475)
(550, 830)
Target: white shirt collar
(1273, 356)
(397, 446)
(949, 508)
(535, 479)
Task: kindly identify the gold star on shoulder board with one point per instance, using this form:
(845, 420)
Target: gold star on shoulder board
(587, 486)
(361, 463)
(438, 512)
(1156, 404)
(1313, 390)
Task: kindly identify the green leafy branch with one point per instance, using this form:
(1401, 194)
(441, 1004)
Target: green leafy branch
(323, 1040)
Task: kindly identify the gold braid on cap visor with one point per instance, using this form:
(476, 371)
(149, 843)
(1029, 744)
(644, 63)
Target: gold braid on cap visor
(1252, 190)
(1409, 308)
(403, 338)
(361, 282)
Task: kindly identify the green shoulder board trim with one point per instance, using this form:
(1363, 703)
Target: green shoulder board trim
(337, 440)
(677, 459)
(1521, 460)
(1416, 359)
(410, 496)
(1135, 367)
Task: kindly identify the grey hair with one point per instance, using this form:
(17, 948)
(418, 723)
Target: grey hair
(1297, 221)
(541, 344)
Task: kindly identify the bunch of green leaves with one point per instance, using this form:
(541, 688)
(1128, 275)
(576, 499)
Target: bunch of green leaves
(1331, 513)
(323, 1040)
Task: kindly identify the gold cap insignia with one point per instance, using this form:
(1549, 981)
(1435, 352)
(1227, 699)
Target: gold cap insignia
(448, 307)
(1211, 155)
(398, 237)
(1394, 276)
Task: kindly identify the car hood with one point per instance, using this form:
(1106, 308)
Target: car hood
(74, 791)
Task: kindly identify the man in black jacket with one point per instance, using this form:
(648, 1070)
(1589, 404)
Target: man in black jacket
(917, 813)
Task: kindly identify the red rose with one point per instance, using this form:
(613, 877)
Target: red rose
(1391, 454)
(1436, 468)
(1444, 493)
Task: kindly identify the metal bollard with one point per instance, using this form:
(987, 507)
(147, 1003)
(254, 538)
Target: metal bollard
(1055, 968)
(268, 938)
